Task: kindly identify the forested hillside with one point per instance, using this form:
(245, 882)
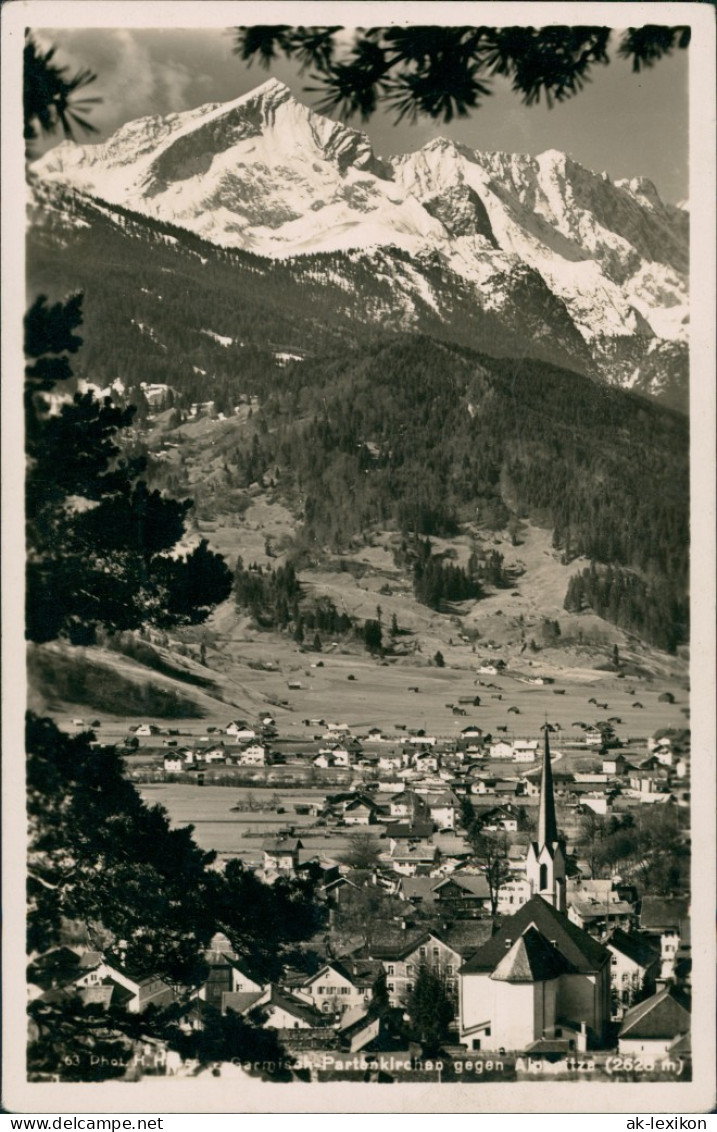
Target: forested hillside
(362, 428)
(169, 307)
(425, 437)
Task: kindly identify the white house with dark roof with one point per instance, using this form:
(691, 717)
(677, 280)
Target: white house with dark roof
(654, 1027)
(663, 919)
(253, 755)
(282, 1009)
(525, 751)
(333, 989)
(402, 957)
(281, 854)
(634, 968)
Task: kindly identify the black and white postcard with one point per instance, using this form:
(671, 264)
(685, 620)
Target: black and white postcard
(358, 557)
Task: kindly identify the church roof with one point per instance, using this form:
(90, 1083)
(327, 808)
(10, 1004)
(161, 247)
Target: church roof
(531, 959)
(584, 954)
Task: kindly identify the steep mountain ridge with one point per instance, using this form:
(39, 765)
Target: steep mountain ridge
(597, 267)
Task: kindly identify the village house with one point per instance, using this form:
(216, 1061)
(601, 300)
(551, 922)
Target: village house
(216, 753)
(499, 818)
(402, 958)
(471, 732)
(525, 751)
(615, 764)
(337, 731)
(425, 761)
(634, 967)
(501, 750)
(281, 854)
(414, 858)
(283, 1010)
(403, 832)
(656, 1027)
(418, 891)
(339, 753)
(468, 892)
(253, 755)
(145, 990)
(597, 905)
(410, 806)
(442, 808)
(512, 895)
(334, 989)
(361, 811)
(390, 760)
(173, 764)
(593, 737)
(240, 731)
(664, 919)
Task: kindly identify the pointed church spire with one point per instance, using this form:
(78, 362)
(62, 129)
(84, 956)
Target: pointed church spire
(547, 825)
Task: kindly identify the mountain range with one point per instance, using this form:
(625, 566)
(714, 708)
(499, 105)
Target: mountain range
(511, 254)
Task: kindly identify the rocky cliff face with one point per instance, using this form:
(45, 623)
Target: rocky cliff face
(568, 256)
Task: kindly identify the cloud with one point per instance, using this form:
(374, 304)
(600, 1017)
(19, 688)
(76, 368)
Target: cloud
(136, 77)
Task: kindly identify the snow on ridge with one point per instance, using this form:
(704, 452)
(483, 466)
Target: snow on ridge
(222, 339)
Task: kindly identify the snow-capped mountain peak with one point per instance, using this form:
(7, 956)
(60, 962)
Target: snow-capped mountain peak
(604, 263)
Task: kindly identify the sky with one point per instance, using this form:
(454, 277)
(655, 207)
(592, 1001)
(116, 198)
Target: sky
(624, 124)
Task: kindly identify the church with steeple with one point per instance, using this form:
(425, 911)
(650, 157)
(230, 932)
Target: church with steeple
(540, 983)
(545, 863)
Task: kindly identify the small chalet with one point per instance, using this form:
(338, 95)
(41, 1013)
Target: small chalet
(409, 805)
(253, 755)
(145, 990)
(655, 1026)
(419, 891)
(282, 1009)
(282, 854)
(217, 753)
(615, 764)
(405, 831)
(333, 989)
(469, 891)
(415, 858)
(361, 811)
(504, 818)
(525, 751)
(240, 731)
(501, 750)
(471, 732)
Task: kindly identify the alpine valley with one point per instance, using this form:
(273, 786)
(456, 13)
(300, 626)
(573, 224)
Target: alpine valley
(450, 383)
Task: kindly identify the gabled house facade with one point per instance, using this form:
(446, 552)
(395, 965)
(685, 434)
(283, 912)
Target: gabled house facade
(333, 990)
(401, 962)
(634, 967)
